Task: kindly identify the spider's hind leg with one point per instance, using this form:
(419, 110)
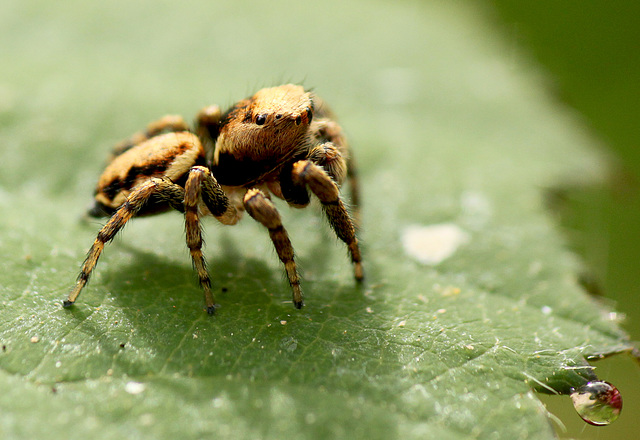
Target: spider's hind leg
(166, 124)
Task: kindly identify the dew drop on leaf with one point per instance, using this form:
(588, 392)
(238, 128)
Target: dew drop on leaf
(598, 403)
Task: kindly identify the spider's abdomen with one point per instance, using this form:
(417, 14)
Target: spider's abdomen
(169, 155)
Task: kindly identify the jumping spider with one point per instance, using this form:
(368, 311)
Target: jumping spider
(281, 141)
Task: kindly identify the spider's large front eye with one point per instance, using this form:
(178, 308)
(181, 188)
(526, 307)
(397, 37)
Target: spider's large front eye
(261, 119)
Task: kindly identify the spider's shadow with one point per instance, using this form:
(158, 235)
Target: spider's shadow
(161, 300)
(236, 278)
(157, 278)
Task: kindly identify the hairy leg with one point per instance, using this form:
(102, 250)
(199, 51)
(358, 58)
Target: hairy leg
(330, 131)
(263, 210)
(207, 127)
(354, 185)
(136, 201)
(166, 124)
(321, 184)
(202, 185)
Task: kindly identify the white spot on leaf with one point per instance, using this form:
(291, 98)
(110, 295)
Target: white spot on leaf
(134, 387)
(433, 244)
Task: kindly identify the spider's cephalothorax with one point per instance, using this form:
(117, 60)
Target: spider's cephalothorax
(280, 141)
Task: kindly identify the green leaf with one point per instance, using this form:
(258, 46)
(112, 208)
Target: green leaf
(449, 127)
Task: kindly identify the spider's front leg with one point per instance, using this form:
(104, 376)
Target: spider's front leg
(201, 185)
(322, 185)
(329, 130)
(167, 190)
(263, 210)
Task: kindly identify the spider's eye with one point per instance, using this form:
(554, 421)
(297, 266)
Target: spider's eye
(261, 119)
(309, 115)
(299, 120)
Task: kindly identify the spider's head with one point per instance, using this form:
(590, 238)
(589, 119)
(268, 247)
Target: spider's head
(287, 107)
(269, 125)
(259, 134)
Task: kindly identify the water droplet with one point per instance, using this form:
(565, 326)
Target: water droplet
(598, 403)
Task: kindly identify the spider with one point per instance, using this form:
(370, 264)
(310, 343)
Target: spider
(282, 141)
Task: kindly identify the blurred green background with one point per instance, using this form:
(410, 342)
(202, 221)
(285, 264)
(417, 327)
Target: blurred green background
(591, 52)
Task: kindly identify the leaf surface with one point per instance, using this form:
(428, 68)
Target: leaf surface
(449, 128)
